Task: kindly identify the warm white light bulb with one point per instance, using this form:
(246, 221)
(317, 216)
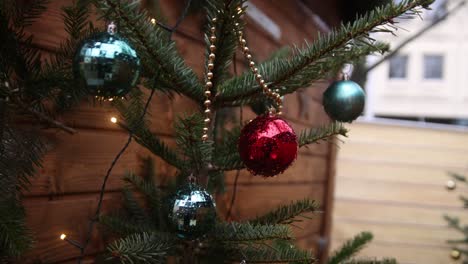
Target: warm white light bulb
(113, 119)
(63, 236)
(153, 21)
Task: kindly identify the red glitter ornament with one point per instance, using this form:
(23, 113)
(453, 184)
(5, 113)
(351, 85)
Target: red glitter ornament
(268, 145)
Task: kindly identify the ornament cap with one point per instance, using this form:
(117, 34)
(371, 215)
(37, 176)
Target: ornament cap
(112, 28)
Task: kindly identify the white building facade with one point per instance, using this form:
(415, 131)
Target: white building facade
(428, 78)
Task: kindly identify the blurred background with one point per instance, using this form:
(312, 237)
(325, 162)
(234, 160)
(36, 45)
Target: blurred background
(390, 176)
(393, 171)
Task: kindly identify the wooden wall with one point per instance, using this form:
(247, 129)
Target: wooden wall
(63, 196)
(391, 181)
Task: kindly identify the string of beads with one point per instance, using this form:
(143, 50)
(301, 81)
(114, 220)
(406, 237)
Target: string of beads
(209, 83)
(276, 97)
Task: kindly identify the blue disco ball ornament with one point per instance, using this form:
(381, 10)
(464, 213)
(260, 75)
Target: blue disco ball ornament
(108, 65)
(192, 212)
(344, 101)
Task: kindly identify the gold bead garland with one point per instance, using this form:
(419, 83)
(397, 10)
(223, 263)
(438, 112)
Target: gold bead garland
(209, 84)
(276, 97)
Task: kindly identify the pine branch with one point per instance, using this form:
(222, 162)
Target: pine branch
(285, 214)
(226, 155)
(245, 232)
(327, 54)
(458, 177)
(122, 224)
(152, 194)
(315, 135)
(272, 254)
(141, 248)
(134, 209)
(158, 54)
(188, 138)
(15, 237)
(350, 248)
(131, 112)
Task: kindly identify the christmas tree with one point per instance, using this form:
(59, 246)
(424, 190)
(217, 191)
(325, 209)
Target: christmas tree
(177, 221)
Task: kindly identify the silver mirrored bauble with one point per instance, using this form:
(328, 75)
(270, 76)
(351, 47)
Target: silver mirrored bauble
(108, 65)
(193, 212)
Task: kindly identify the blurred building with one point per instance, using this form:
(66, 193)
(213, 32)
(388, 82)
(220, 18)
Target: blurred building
(427, 79)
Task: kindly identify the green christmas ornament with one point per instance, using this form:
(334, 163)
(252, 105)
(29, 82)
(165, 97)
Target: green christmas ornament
(344, 101)
(192, 212)
(107, 64)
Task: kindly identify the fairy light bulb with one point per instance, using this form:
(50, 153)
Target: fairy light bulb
(153, 21)
(63, 236)
(113, 119)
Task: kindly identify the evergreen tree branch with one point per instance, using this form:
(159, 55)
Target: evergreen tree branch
(141, 248)
(327, 53)
(151, 192)
(131, 112)
(197, 153)
(272, 254)
(350, 248)
(246, 232)
(45, 118)
(131, 205)
(122, 225)
(285, 214)
(15, 237)
(158, 54)
(226, 155)
(315, 135)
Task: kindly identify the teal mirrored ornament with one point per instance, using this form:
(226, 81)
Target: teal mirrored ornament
(344, 101)
(107, 64)
(192, 212)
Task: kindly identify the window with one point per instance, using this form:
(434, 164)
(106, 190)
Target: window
(433, 66)
(398, 67)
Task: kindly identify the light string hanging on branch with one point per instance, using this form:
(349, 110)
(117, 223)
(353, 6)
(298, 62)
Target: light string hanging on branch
(268, 144)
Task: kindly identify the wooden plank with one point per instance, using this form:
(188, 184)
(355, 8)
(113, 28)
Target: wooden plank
(409, 136)
(77, 163)
(423, 175)
(395, 192)
(395, 233)
(398, 214)
(404, 253)
(442, 158)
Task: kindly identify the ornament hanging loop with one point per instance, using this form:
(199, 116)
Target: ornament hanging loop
(112, 28)
(347, 71)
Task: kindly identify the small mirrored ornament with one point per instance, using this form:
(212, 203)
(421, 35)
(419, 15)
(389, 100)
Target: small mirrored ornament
(107, 64)
(193, 211)
(344, 101)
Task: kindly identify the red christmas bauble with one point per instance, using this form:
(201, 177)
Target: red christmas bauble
(268, 145)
